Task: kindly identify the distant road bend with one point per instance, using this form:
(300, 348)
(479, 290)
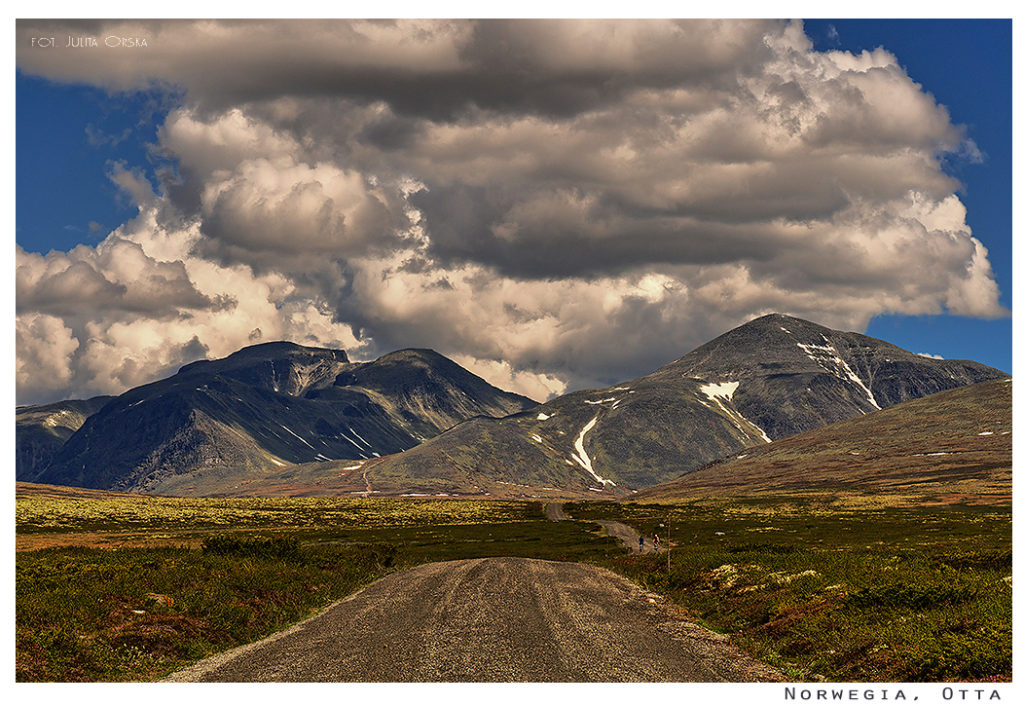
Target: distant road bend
(624, 533)
(554, 512)
(491, 620)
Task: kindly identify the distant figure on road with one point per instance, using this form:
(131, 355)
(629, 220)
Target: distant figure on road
(655, 542)
(641, 545)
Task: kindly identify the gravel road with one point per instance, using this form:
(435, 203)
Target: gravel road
(553, 511)
(629, 536)
(496, 620)
(624, 533)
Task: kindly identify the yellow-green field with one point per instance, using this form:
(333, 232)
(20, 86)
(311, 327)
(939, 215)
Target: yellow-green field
(884, 594)
(71, 512)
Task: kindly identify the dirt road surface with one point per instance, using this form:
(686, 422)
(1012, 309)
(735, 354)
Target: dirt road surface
(629, 536)
(553, 511)
(491, 620)
(624, 533)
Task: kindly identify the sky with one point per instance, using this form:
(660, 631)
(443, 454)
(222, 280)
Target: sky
(552, 204)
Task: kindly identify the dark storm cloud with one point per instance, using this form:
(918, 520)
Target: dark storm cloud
(433, 69)
(391, 133)
(467, 226)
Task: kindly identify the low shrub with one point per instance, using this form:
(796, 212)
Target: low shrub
(898, 594)
(958, 656)
(256, 547)
(915, 594)
(992, 559)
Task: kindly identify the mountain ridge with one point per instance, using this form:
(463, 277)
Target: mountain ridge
(770, 378)
(268, 406)
(40, 431)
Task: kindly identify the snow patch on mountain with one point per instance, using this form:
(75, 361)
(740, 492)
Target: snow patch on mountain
(55, 419)
(297, 437)
(827, 358)
(583, 459)
(359, 447)
(360, 438)
(717, 392)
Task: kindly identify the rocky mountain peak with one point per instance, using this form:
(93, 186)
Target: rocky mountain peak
(280, 366)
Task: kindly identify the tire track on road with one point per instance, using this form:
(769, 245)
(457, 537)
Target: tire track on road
(491, 620)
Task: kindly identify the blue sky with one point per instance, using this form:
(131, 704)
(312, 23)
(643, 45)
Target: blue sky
(966, 65)
(69, 138)
(465, 296)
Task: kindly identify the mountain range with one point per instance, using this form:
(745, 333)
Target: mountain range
(41, 430)
(770, 378)
(264, 407)
(282, 418)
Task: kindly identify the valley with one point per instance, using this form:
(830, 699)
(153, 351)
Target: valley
(833, 509)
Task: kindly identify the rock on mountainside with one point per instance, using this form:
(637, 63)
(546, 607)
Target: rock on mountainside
(42, 429)
(770, 378)
(950, 447)
(268, 406)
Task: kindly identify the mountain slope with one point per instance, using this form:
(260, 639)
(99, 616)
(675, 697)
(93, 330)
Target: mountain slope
(268, 406)
(795, 375)
(770, 378)
(41, 430)
(953, 446)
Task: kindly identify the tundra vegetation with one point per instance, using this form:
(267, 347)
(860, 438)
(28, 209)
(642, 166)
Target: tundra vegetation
(885, 594)
(127, 588)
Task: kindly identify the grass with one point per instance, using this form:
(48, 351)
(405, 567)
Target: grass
(883, 595)
(96, 615)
